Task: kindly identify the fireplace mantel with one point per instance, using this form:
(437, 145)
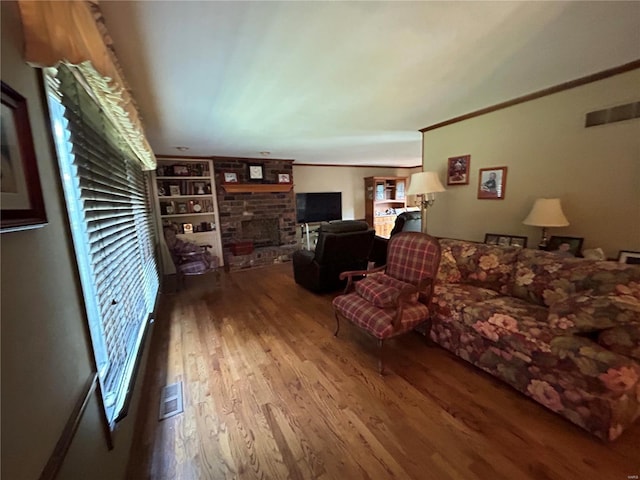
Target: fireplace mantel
(257, 187)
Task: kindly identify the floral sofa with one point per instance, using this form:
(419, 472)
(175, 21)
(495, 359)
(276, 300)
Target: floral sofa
(564, 331)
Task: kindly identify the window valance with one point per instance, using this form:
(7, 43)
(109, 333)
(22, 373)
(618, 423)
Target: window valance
(73, 33)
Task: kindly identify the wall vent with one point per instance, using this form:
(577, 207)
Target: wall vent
(613, 114)
(171, 400)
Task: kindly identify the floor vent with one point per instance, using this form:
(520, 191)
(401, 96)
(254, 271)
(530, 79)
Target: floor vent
(171, 400)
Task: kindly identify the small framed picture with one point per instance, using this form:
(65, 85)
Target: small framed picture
(566, 246)
(256, 172)
(458, 170)
(182, 208)
(519, 242)
(199, 188)
(629, 257)
(187, 227)
(491, 239)
(492, 183)
(181, 170)
(170, 209)
(174, 190)
(284, 178)
(230, 177)
(505, 240)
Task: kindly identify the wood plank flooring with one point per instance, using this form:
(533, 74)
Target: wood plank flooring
(270, 393)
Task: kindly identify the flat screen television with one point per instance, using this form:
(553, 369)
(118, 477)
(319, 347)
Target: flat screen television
(318, 207)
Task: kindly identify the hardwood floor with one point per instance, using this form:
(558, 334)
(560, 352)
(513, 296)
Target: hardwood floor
(270, 393)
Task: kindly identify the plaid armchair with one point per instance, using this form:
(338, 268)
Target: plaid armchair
(392, 299)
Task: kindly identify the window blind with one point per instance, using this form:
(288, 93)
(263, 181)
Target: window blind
(108, 202)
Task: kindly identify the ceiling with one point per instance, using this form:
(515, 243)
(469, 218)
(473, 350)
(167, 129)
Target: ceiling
(348, 82)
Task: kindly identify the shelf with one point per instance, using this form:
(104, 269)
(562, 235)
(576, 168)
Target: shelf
(256, 187)
(177, 197)
(185, 177)
(390, 201)
(194, 214)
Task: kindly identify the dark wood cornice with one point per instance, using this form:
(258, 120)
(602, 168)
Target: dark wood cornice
(542, 93)
(349, 166)
(182, 157)
(217, 158)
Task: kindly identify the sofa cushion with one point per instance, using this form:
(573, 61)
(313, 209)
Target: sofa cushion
(382, 290)
(487, 266)
(449, 300)
(448, 271)
(624, 339)
(511, 324)
(546, 277)
(586, 313)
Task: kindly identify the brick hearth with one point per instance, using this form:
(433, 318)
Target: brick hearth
(236, 208)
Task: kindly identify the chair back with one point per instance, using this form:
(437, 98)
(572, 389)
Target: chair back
(407, 222)
(413, 257)
(345, 243)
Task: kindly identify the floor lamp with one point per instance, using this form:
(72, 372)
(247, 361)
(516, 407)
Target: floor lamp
(426, 185)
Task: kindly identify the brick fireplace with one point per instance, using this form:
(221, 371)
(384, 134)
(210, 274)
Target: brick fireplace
(264, 219)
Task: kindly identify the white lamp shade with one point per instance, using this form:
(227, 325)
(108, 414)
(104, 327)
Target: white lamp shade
(424, 182)
(546, 212)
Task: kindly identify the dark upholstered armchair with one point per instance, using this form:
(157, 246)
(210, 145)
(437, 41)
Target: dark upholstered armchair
(405, 222)
(342, 245)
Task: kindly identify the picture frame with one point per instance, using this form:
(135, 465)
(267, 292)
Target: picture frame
(629, 257)
(255, 172)
(566, 246)
(230, 177)
(284, 178)
(492, 183)
(199, 188)
(506, 240)
(458, 170)
(182, 207)
(21, 199)
(187, 227)
(174, 190)
(181, 171)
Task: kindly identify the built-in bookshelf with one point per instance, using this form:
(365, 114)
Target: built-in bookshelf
(184, 190)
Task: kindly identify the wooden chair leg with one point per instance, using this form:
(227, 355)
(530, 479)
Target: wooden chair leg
(380, 366)
(335, 334)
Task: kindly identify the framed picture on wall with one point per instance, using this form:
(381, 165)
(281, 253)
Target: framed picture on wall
(458, 170)
(21, 200)
(284, 178)
(492, 183)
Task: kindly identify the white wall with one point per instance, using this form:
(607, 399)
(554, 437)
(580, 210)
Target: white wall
(348, 180)
(549, 153)
(46, 356)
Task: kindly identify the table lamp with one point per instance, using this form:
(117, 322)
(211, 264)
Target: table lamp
(426, 185)
(546, 212)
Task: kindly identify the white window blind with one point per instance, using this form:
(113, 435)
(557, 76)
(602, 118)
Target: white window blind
(108, 203)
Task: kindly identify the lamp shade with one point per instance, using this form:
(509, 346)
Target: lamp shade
(423, 183)
(546, 212)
